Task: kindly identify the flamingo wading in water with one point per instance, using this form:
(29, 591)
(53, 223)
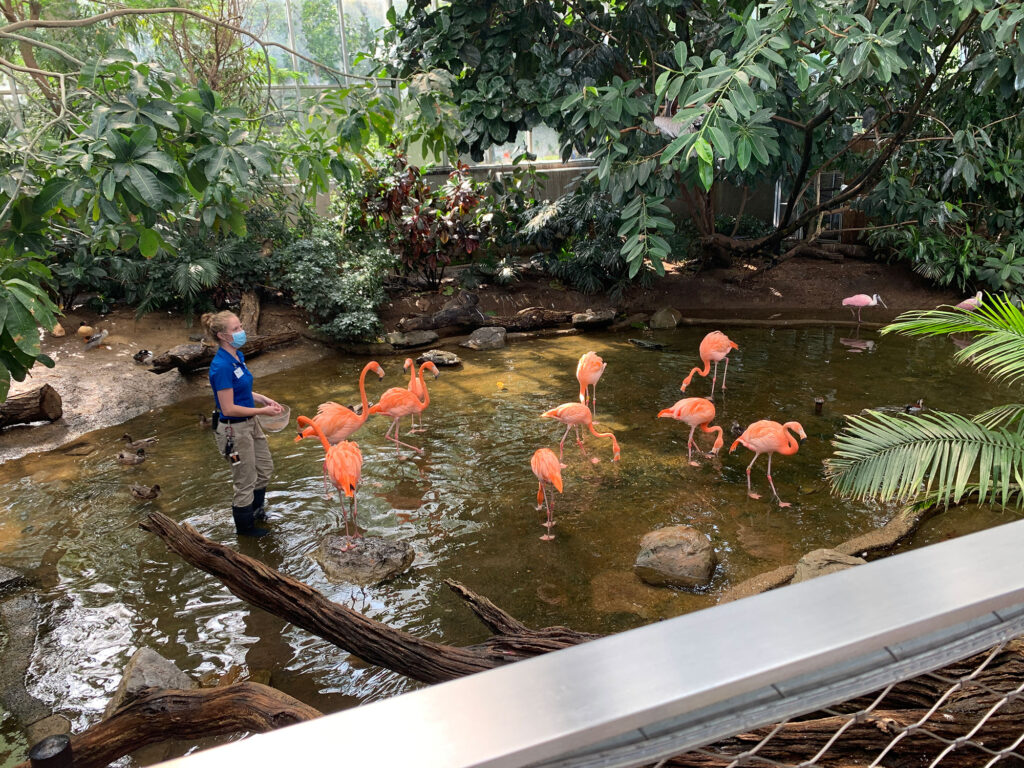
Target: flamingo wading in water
(769, 437)
(548, 471)
(417, 389)
(398, 403)
(578, 415)
(862, 300)
(972, 303)
(343, 465)
(338, 422)
(697, 412)
(588, 372)
(714, 347)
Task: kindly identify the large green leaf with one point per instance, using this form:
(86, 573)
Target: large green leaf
(21, 327)
(5, 381)
(145, 186)
(50, 195)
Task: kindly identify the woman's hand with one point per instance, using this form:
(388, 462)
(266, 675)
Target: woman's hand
(272, 409)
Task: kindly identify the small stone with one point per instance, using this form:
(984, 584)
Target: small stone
(644, 344)
(822, 561)
(401, 340)
(677, 556)
(147, 669)
(593, 318)
(195, 337)
(11, 580)
(439, 357)
(492, 337)
(666, 317)
(363, 561)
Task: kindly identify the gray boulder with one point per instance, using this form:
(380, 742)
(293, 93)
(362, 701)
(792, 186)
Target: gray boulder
(666, 317)
(491, 337)
(401, 340)
(439, 357)
(147, 669)
(822, 561)
(368, 561)
(593, 318)
(11, 580)
(677, 556)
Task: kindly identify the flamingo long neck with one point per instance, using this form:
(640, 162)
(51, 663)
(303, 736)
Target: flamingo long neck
(719, 441)
(364, 414)
(792, 443)
(615, 443)
(698, 371)
(319, 433)
(412, 375)
(426, 395)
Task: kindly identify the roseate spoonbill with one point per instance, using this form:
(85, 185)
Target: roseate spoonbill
(343, 465)
(577, 415)
(398, 403)
(335, 420)
(697, 412)
(715, 346)
(417, 389)
(972, 303)
(769, 437)
(549, 472)
(862, 300)
(588, 372)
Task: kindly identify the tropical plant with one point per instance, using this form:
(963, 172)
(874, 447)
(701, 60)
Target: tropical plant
(936, 457)
(24, 308)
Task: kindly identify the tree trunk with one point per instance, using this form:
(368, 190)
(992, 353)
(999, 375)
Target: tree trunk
(190, 357)
(162, 715)
(375, 643)
(40, 404)
(249, 312)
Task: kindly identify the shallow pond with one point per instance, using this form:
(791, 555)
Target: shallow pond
(466, 506)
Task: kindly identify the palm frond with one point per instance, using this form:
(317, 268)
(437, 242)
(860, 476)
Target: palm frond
(998, 324)
(899, 458)
(1000, 416)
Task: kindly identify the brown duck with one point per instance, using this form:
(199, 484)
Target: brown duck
(145, 491)
(145, 442)
(129, 458)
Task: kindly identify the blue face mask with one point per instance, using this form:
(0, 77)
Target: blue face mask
(238, 339)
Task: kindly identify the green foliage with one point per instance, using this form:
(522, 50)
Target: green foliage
(339, 281)
(24, 308)
(944, 457)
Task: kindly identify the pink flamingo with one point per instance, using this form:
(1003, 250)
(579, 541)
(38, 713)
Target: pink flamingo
(417, 389)
(397, 403)
(338, 422)
(549, 472)
(343, 464)
(970, 304)
(577, 415)
(769, 437)
(715, 346)
(588, 372)
(862, 300)
(697, 412)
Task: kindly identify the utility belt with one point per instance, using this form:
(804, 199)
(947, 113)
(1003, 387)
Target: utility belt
(229, 444)
(218, 419)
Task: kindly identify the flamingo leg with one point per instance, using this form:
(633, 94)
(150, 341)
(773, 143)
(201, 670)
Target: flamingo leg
(690, 442)
(550, 521)
(540, 495)
(714, 378)
(782, 503)
(725, 373)
(561, 445)
(750, 493)
(389, 436)
(579, 440)
(593, 401)
(355, 509)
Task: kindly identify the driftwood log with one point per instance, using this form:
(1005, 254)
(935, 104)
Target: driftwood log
(462, 311)
(374, 642)
(162, 715)
(190, 357)
(531, 319)
(40, 404)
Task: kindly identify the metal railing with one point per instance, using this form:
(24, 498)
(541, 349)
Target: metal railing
(680, 685)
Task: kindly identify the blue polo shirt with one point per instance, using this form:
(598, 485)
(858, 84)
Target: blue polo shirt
(228, 373)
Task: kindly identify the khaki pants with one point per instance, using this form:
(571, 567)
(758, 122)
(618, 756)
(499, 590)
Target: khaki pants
(255, 465)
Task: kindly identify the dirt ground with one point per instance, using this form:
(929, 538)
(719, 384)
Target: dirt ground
(105, 386)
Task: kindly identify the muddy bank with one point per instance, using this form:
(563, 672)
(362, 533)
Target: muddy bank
(105, 386)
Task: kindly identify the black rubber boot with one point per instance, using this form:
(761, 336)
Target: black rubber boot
(259, 513)
(245, 522)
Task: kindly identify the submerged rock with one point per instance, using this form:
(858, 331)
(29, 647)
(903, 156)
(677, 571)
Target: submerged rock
(593, 318)
(147, 669)
(677, 556)
(439, 357)
(11, 580)
(666, 317)
(822, 561)
(411, 339)
(644, 344)
(368, 561)
(491, 337)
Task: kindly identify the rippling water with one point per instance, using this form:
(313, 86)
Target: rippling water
(466, 506)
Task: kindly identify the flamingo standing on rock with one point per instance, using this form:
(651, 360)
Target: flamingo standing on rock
(578, 415)
(862, 300)
(338, 422)
(714, 347)
(398, 403)
(697, 412)
(548, 471)
(769, 437)
(343, 465)
(588, 372)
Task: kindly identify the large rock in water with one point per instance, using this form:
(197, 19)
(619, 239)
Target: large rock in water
(401, 340)
(368, 561)
(593, 318)
(147, 669)
(439, 357)
(822, 561)
(666, 317)
(677, 556)
(491, 337)
(11, 580)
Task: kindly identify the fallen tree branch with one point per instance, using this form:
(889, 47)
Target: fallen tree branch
(161, 715)
(40, 404)
(190, 357)
(376, 643)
